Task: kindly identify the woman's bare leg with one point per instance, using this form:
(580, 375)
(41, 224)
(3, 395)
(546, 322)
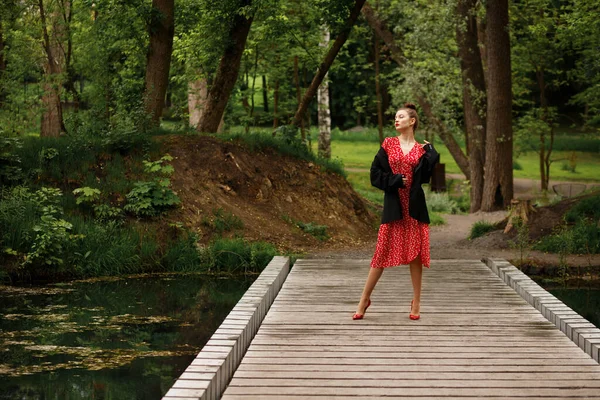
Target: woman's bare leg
(374, 275)
(416, 275)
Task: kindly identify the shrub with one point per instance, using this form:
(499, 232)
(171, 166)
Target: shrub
(480, 228)
(223, 221)
(317, 231)
(237, 255)
(154, 197)
(10, 162)
(588, 208)
(182, 254)
(582, 238)
(441, 202)
(436, 219)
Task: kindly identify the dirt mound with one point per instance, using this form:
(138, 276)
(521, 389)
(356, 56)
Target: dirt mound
(268, 191)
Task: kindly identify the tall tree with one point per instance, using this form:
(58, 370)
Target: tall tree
(197, 92)
(328, 60)
(161, 28)
(380, 28)
(498, 186)
(53, 31)
(323, 109)
(228, 69)
(473, 95)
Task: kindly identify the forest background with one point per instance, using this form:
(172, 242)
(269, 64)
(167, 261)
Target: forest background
(500, 86)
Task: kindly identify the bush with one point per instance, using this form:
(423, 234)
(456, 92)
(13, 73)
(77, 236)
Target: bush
(223, 221)
(583, 238)
(237, 255)
(436, 219)
(441, 202)
(588, 208)
(480, 228)
(317, 231)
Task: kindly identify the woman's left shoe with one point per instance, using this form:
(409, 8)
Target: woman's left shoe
(411, 315)
(361, 316)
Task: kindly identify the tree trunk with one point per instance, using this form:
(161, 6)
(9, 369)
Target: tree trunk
(299, 97)
(251, 114)
(386, 35)
(52, 120)
(158, 63)
(324, 114)
(275, 106)
(227, 73)
(2, 66)
(264, 93)
(197, 93)
(544, 177)
(473, 96)
(324, 67)
(378, 92)
(453, 147)
(498, 186)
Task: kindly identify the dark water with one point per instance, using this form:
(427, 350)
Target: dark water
(127, 338)
(582, 297)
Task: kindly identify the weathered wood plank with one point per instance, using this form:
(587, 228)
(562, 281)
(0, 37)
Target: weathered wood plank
(476, 338)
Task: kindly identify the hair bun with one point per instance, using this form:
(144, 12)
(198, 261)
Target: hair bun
(410, 105)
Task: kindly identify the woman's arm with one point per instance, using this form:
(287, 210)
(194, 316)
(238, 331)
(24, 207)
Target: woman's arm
(430, 158)
(381, 173)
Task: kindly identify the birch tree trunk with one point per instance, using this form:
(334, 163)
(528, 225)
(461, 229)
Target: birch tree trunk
(498, 186)
(329, 58)
(324, 110)
(197, 94)
(159, 58)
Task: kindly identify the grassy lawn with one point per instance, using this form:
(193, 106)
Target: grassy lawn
(360, 154)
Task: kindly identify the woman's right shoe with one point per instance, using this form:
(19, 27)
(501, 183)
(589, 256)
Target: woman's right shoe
(361, 316)
(411, 315)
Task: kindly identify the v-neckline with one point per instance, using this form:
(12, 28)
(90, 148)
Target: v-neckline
(402, 151)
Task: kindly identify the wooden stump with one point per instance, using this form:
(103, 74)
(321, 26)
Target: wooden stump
(519, 210)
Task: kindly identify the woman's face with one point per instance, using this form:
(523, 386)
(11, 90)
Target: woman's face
(403, 121)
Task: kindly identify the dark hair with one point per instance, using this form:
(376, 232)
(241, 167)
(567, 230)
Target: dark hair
(411, 109)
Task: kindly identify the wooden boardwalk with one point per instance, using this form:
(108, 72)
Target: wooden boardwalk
(477, 338)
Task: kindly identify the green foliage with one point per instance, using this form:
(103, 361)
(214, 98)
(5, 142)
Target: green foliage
(318, 231)
(289, 145)
(10, 162)
(223, 221)
(86, 195)
(480, 228)
(441, 202)
(152, 198)
(585, 209)
(582, 238)
(237, 255)
(436, 219)
(521, 242)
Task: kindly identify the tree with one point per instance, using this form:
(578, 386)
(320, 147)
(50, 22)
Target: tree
(228, 69)
(498, 185)
(161, 29)
(324, 112)
(328, 60)
(474, 92)
(53, 31)
(414, 84)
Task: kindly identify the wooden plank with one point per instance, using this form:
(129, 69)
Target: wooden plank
(477, 338)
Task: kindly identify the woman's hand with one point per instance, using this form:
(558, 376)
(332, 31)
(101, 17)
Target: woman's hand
(425, 143)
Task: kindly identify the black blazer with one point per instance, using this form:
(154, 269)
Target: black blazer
(383, 178)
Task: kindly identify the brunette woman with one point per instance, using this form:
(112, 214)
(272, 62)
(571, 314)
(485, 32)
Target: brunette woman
(399, 169)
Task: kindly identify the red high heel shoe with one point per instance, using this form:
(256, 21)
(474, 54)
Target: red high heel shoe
(411, 315)
(361, 316)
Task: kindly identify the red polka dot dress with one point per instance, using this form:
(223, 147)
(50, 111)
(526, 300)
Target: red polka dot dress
(400, 242)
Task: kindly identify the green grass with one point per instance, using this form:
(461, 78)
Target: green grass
(480, 228)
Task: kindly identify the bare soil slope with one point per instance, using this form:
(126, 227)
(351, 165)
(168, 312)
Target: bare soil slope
(267, 191)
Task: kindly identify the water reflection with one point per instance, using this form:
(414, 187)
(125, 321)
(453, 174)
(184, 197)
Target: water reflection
(584, 301)
(126, 338)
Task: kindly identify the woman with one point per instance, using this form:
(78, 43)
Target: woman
(399, 169)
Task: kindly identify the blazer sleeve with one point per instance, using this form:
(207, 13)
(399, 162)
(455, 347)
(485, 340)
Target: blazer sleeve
(381, 173)
(430, 158)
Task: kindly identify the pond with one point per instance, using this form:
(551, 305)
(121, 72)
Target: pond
(121, 338)
(583, 298)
